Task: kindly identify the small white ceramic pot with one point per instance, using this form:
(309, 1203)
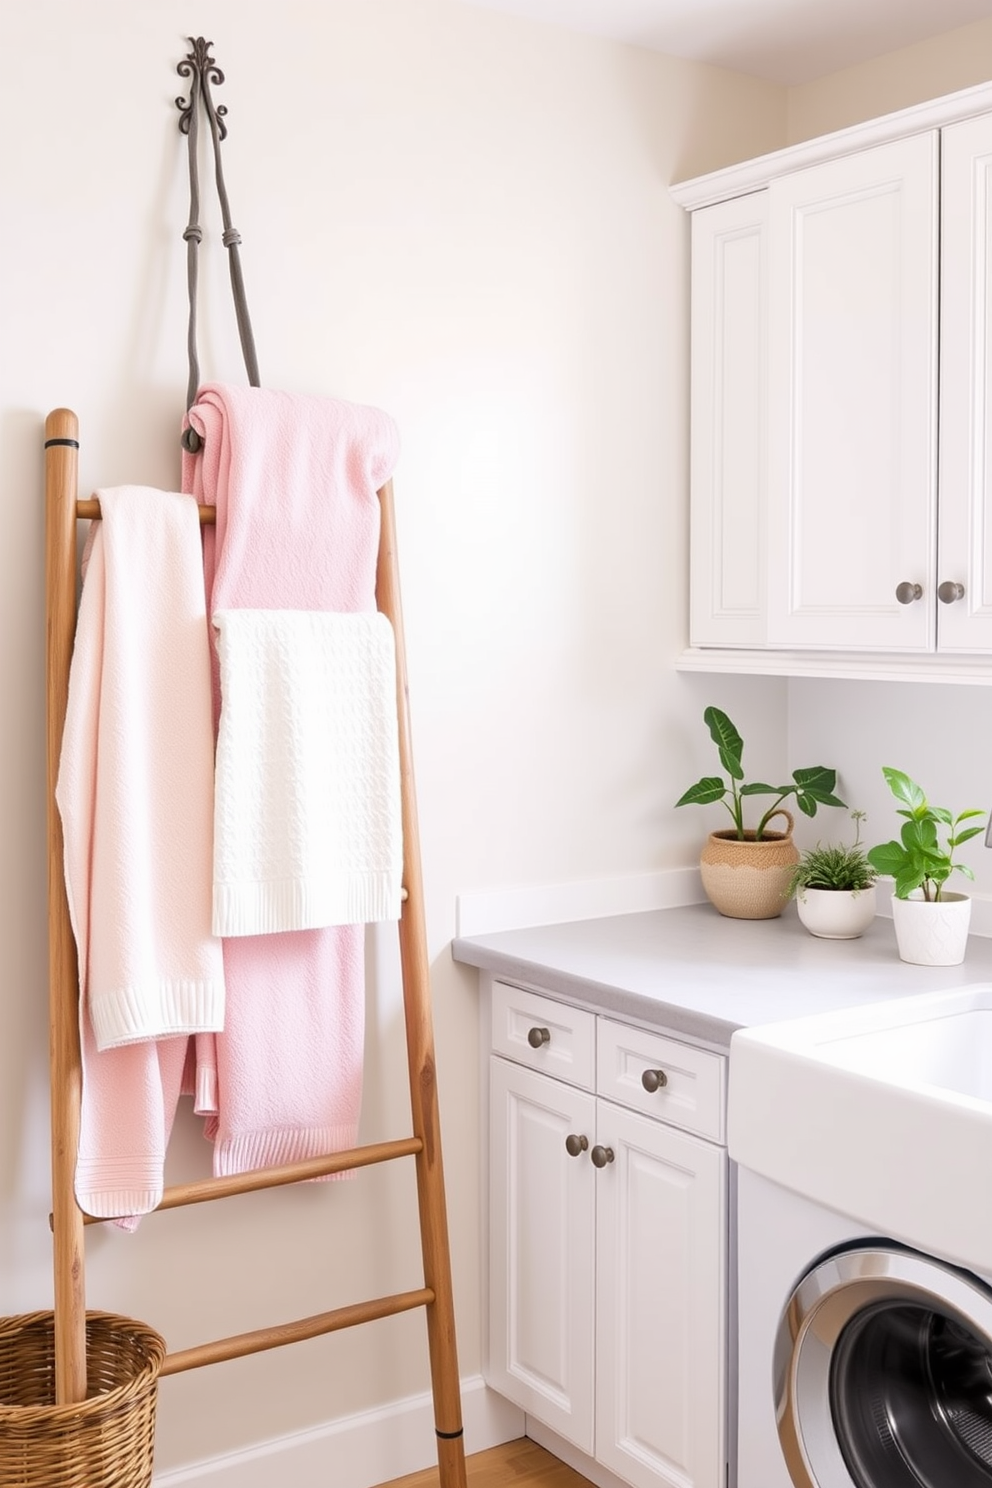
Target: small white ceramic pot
(836, 914)
(932, 933)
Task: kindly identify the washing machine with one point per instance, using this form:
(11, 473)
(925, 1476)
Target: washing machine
(862, 1362)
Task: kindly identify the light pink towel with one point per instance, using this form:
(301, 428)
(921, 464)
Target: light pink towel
(135, 793)
(294, 481)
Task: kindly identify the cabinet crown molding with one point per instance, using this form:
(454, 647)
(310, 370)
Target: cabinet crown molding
(755, 174)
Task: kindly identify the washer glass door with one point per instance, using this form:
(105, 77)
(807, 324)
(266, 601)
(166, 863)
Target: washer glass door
(883, 1374)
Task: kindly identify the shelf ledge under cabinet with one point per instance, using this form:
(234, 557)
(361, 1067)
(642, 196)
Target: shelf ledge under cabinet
(871, 666)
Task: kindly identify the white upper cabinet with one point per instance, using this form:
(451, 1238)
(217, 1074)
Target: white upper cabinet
(852, 398)
(728, 402)
(964, 546)
(841, 447)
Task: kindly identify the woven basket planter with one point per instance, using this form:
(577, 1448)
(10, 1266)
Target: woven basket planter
(748, 880)
(106, 1441)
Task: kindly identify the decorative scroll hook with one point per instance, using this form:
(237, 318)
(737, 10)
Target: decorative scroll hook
(201, 67)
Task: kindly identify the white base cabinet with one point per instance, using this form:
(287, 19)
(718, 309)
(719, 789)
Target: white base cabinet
(660, 1281)
(608, 1251)
(542, 1253)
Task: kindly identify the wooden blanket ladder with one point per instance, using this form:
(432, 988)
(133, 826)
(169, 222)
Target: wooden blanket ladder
(63, 510)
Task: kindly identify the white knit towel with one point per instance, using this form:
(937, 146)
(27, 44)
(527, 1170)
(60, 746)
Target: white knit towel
(307, 820)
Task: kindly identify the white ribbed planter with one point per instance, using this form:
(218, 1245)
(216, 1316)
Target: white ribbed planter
(836, 914)
(932, 933)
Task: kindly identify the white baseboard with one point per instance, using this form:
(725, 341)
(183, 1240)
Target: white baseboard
(485, 911)
(357, 1451)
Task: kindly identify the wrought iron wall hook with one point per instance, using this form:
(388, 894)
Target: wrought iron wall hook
(203, 70)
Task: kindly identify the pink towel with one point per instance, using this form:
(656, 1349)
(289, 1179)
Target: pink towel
(135, 793)
(294, 481)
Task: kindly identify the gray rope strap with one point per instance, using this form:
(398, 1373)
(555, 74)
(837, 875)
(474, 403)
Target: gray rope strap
(202, 70)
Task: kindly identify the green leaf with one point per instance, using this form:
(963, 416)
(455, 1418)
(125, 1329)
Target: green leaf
(818, 780)
(758, 788)
(710, 788)
(727, 740)
(963, 868)
(965, 836)
(921, 837)
(905, 789)
(908, 879)
(806, 803)
(941, 814)
(964, 815)
(819, 783)
(888, 857)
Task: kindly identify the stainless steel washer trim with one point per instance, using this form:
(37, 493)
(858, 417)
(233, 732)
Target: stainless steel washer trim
(822, 1304)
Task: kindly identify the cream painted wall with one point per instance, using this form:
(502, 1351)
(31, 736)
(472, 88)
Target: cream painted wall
(463, 218)
(939, 735)
(958, 59)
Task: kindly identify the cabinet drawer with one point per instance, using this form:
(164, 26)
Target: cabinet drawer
(691, 1091)
(564, 1038)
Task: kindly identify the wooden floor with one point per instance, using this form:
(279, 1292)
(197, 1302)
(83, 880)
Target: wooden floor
(522, 1463)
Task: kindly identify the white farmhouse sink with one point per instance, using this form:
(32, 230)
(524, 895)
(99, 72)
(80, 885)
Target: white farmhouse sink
(881, 1112)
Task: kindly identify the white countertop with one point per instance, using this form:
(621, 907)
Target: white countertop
(695, 972)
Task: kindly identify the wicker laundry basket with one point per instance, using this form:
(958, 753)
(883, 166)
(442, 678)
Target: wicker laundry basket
(107, 1440)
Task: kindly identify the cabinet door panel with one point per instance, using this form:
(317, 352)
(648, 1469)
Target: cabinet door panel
(729, 395)
(661, 1321)
(852, 399)
(542, 1250)
(964, 540)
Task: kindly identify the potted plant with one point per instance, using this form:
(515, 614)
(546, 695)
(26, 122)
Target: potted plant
(834, 888)
(931, 922)
(745, 870)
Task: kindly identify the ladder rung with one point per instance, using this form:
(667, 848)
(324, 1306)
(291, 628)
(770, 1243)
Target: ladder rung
(240, 1344)
(90, 509)
(205, 1189)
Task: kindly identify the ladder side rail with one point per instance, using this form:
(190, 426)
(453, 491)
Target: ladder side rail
(420, 1048)
(61, 474)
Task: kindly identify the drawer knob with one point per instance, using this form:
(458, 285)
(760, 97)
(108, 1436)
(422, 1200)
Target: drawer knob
(948, 592)
(575, 1145)
(538, 1037)
(601, 1156)
(907, 592)
(653, 1080)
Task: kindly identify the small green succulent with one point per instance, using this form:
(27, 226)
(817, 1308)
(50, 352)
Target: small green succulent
(841, 867)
